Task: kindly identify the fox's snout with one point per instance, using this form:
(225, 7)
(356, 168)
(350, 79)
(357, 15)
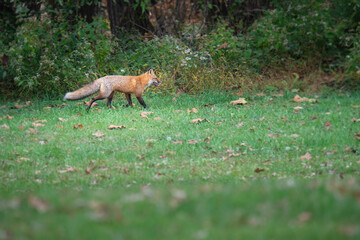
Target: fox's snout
(156, 83)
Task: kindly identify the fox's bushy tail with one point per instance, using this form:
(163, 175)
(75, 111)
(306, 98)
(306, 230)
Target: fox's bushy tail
(83, 92)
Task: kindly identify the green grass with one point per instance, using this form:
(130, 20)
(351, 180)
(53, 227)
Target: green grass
(243, 178)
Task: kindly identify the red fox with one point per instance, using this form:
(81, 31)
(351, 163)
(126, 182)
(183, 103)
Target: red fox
(109, 84)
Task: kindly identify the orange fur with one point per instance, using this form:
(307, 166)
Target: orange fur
(106, 86)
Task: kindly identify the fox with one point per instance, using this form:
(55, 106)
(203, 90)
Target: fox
(107, 85)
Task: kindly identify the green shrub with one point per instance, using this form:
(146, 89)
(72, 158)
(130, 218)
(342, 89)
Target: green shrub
(51, 58)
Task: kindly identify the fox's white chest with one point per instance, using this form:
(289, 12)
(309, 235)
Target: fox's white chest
(150, 82)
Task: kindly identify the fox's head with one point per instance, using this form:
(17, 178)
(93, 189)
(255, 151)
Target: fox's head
(153, 79)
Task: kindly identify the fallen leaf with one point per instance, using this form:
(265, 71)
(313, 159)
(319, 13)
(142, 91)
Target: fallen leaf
(62, 120)
(257, 170)
(297, 109)
(278, 95)
(151, 140)
(174, 99)
(224, 45)
(307, 156)
(9, 117)
(355, 120)
(239, 101)
(177, 142)
(158, 119)
(39, 204)
(88, 102)
(98, 134)
(68, 169)
(240, 124)
(192, 141)
(327, 124)
(144, 114)
(304, 217)
(260, 94)
(4, 126)
(239, 93)
(177, 111)
(194, 110)
(38, 124)
(199, 120)
(299, 99)
(207, 140)
(78, 125)
(357, 135)
(116, 127)
(32, 130)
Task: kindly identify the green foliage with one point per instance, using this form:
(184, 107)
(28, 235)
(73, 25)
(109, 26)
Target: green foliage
(53, 57)
(307, 29)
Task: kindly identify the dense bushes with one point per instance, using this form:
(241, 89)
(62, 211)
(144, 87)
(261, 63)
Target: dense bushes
(52, 57)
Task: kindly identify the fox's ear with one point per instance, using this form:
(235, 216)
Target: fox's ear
(150, 68)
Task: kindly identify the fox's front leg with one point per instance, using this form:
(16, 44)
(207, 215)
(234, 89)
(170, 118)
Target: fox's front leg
(109, 99)
(128, 98)
(141, 101)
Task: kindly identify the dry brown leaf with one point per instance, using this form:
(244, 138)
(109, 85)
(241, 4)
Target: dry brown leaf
(158, 119)
(61, 119)
(304, 217)
(177, 111)
(307, 156)
(68, 169)
(260, 94)
(32, 130)
(177, 142)
(355, 120)
(240, 124)
(4, 126)
(257, 170)
(39, 204)
(327, 124)
(297, 109)
(239, 101)
(224, 45)
(207, 140)
(98, 134)
(174, 99)
(78, 125)
(88, 102)
(151, 140)
(116, 127)
(192, 141)
(144, 114)
(199, 120)
(299, 99)
(38, 124)
(194, 110)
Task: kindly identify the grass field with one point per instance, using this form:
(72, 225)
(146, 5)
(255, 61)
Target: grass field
(263, 170)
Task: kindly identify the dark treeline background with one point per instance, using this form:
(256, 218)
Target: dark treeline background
(50, 46)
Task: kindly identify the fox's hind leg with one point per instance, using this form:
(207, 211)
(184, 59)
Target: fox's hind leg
(109, 99)
(104, 93)
(128, 98)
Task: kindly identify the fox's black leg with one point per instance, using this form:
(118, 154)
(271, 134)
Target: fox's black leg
(128, 98)
(141, 101)
(109, 99)
(93, 100)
